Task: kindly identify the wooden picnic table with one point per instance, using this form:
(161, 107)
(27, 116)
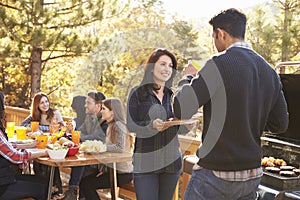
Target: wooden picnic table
(83, 159)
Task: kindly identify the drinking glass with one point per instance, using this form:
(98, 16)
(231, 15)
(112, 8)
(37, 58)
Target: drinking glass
(10, 127)
(53, 128)
(76, 137)
(21, 132)
(43, 141)
(34, 126)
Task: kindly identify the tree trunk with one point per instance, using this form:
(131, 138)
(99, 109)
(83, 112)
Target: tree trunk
(285, 34)
(35, 66)
(3, 78)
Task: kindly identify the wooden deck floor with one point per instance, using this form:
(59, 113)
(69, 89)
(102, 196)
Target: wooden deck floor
(65, 175)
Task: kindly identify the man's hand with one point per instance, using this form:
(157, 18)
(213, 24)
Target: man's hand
(189, 69)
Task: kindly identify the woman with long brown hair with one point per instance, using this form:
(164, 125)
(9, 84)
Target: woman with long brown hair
(117, 140)
(42, 113)
(45, 115)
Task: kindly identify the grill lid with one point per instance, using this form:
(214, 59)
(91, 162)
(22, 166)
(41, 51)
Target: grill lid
(291, 89)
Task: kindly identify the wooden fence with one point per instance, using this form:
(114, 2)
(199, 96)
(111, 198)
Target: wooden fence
(17, 115)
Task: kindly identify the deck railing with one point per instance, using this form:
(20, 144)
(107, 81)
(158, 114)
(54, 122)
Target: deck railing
(17, 115)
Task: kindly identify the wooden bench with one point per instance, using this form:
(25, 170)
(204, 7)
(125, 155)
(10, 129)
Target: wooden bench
(127, 190)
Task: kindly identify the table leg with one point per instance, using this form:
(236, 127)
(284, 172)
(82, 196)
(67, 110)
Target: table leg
(50, 182)
(113, 181)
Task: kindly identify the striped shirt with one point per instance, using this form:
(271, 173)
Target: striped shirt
(11, 154)
(242, 175)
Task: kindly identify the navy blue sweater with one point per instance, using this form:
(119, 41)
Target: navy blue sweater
(241, 97)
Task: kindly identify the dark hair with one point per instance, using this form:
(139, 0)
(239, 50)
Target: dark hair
(148, 81)
(78, 106)
(232, 21)
(115, 105)
(97, 96)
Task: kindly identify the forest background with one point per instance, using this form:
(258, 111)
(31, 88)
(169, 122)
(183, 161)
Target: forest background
(65, 48)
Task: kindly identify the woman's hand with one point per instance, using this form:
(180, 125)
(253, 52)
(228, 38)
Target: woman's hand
(159, 125)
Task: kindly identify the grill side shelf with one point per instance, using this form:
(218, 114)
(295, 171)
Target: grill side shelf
(280, 182)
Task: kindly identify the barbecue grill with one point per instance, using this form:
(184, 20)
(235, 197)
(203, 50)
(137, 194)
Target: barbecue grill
(285, 145)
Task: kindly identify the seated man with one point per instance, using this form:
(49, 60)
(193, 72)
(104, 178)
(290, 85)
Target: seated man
(93, 128)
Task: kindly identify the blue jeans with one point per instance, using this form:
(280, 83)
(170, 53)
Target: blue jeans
(76, 174)
(204, 185)
(155, 186)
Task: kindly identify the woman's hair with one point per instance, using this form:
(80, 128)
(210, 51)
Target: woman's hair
(115, 105)
(2, 112)
(36, 113)
(78, 106)
(148, 80)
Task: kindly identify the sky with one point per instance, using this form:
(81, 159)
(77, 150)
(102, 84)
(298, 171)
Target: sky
(193, 9)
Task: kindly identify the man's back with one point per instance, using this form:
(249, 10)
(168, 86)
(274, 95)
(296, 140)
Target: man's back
(239, 92)
(251, 89)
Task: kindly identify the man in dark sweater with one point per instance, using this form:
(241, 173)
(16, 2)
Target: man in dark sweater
(241, 97)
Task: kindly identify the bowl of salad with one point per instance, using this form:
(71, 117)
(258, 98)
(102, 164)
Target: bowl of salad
(58, 153)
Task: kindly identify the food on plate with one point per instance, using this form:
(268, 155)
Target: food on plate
(68, 144)
(92, 146)
(52, 139)
(33, 135)
(62, 140)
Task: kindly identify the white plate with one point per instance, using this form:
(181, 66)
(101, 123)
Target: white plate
(28, 141)
(35, 150)
(93, 152)
(181, 122)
